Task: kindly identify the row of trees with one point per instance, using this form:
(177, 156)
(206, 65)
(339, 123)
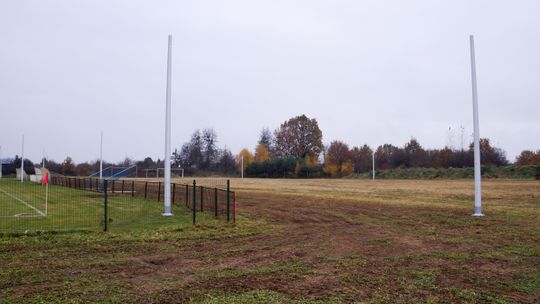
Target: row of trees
(293, 148)
(70, 168)
(340, 160)
(201, 155)
(528, 158)
(198, 156)
(296, 149)
(10, 165)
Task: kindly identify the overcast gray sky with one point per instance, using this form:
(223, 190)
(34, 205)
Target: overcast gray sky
(369, 71)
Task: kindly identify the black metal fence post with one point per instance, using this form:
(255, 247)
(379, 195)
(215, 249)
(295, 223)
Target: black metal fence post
(194, 202)
(215, 202)
(159, 191)
(173, 193)
(228, 200)
(187, 195)
(105, 207)
(202, 198)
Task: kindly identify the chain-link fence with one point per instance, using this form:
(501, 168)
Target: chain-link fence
(77, 203)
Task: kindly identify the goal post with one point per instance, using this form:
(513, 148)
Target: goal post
(175, 171)
(157, 172)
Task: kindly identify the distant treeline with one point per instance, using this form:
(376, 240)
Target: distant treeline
(69, 168)
(10, 166)
(511, 171)
(295, 149)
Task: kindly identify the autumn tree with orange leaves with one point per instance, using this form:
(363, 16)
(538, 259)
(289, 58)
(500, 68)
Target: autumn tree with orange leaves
(528, 158)
(261, 153)
(248, 159)
(338, 161)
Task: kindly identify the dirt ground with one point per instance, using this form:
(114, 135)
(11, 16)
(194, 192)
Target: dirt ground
(381, 241)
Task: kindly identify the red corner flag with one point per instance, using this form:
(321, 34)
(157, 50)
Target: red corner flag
(45, 178)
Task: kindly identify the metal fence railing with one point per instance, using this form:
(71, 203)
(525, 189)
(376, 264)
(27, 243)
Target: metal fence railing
(87, 203)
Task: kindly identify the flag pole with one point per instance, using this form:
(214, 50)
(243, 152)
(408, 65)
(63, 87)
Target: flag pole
(46, 196)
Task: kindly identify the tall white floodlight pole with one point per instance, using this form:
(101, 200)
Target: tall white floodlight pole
(373, 165)
(477, 173)
(167, 173)
(101, 157)
(22, 159)
(0, 161)
(242, 165)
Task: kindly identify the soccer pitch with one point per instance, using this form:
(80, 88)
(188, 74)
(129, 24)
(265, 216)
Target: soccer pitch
(23, 208)
(21, 200)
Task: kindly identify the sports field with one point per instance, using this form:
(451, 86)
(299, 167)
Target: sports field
(21, 200)
(301, 241)
(25, 208)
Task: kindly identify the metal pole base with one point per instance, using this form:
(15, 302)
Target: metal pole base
(478, 212)
(167, 214)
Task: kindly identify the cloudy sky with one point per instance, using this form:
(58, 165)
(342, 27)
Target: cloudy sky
(369, 71)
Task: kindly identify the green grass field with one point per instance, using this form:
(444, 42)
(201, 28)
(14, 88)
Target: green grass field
(23, 209)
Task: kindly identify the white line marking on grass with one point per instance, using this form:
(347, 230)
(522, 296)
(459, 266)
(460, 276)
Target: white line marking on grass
(26, 215)
(23, 202)
(19, 215)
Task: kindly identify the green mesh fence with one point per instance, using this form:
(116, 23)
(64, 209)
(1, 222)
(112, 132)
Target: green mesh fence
(76, 203)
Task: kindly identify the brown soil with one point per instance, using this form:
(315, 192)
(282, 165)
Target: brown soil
(351, 249)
